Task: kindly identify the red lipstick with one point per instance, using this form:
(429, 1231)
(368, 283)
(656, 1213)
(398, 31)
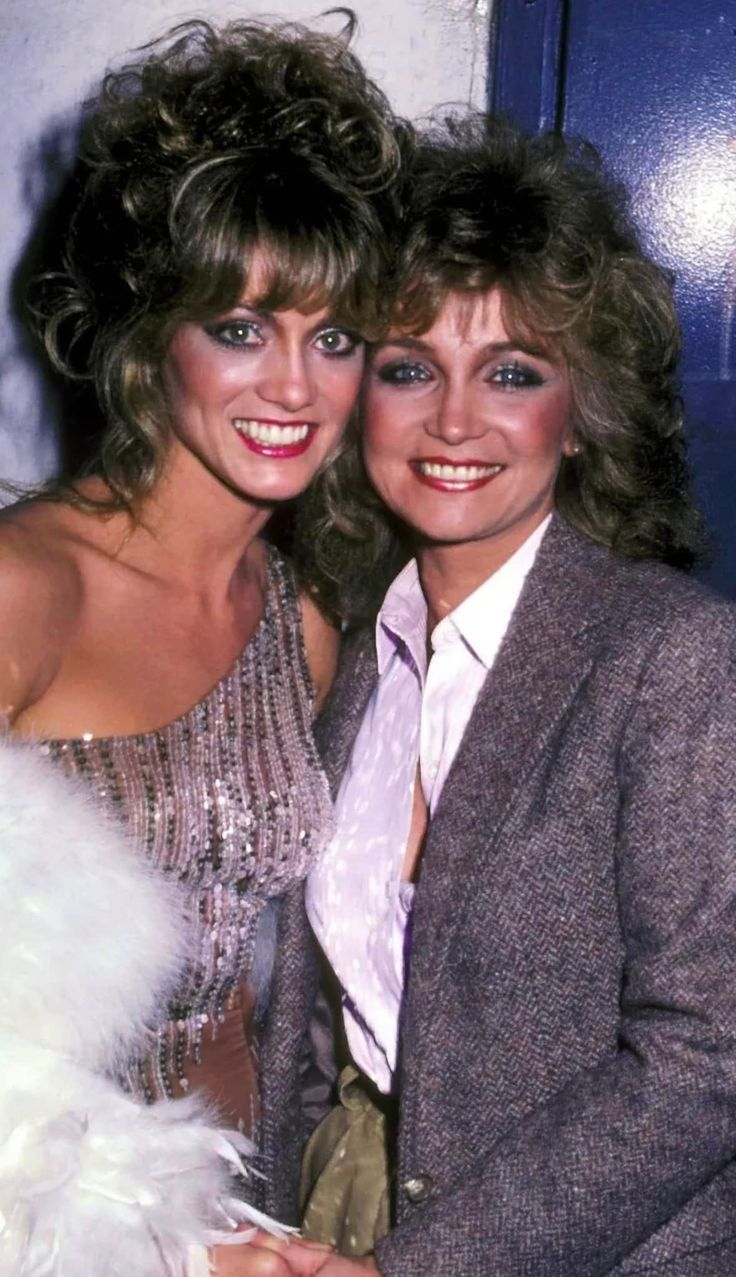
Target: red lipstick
(433, 473)
(261, 435)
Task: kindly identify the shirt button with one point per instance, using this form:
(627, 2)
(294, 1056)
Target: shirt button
(418, 1188)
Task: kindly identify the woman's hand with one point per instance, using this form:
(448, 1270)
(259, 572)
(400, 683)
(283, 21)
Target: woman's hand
(248, 1261)
(338, 1266)
(268, 1256)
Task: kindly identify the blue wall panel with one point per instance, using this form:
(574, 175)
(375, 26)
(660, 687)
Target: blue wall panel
(528, 62)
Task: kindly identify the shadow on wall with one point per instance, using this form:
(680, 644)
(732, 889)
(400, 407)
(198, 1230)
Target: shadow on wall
(50, 185)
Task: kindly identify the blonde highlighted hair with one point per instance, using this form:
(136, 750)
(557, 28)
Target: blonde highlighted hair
(214, 143)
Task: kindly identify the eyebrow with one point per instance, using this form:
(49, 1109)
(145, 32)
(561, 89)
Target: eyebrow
(329, 320)
(252, 309)
(491, 348)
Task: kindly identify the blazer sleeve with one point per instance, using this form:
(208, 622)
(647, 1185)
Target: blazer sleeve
(588, 1176)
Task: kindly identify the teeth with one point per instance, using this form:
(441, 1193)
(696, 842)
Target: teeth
(262, 433)
(456, 474)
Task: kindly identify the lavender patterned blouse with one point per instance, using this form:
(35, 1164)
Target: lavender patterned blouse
(358, 904)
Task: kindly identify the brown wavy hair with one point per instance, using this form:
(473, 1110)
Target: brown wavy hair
(487, 207)
(214, 142)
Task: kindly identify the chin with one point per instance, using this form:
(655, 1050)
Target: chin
(273, 494)
(446, 534)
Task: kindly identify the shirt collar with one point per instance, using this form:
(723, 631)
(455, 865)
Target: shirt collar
(402, 620)
(481, 620)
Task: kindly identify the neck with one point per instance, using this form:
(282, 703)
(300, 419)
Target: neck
(449, 573)
(191, 529)
(447, 576)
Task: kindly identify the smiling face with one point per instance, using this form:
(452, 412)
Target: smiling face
(261, 398)
(464, 430)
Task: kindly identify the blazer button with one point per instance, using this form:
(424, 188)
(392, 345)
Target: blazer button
(418, 1188)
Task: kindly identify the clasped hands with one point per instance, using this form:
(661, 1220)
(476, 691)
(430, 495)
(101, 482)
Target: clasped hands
(267, 1256)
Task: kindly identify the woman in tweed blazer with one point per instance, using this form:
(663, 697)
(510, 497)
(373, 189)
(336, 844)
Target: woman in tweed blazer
(566, 1066)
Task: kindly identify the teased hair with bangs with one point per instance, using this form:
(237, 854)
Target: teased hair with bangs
(487, 207)
(217, 142)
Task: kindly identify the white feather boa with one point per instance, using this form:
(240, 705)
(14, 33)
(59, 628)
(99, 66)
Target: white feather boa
(92, 1183)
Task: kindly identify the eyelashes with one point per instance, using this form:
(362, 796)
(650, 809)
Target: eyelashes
(403, 373)
(514, 375)
(235, 333)
(337, 342)
(244, 334)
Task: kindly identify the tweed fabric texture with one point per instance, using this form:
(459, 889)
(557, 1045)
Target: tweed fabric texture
(568, 1050)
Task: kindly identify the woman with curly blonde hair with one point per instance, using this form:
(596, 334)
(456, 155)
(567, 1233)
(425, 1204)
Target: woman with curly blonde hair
(221, 271)
(534, 925)
(537, 218)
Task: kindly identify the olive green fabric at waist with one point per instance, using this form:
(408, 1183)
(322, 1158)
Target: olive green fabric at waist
(345, 1195)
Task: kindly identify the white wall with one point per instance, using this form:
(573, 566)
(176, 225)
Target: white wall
(422, 52)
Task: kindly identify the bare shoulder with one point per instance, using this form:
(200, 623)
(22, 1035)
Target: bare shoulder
(40, 592)
(322, 644)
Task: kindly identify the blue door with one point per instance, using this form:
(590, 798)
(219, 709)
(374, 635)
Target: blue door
(653, 84)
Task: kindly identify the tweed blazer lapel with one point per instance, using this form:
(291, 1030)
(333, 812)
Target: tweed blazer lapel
(338, 724)
(542, 662)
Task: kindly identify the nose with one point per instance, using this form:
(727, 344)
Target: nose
(287, 379)
(453, 419)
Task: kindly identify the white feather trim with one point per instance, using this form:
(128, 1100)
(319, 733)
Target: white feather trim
(91, 940)
(92, 1183)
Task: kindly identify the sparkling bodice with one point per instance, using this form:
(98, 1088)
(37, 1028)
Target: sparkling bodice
(230, 799)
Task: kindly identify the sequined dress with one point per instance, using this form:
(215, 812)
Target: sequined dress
(231, 800)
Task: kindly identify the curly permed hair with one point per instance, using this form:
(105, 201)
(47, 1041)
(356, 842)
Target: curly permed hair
(216, 142)
(487, 207)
